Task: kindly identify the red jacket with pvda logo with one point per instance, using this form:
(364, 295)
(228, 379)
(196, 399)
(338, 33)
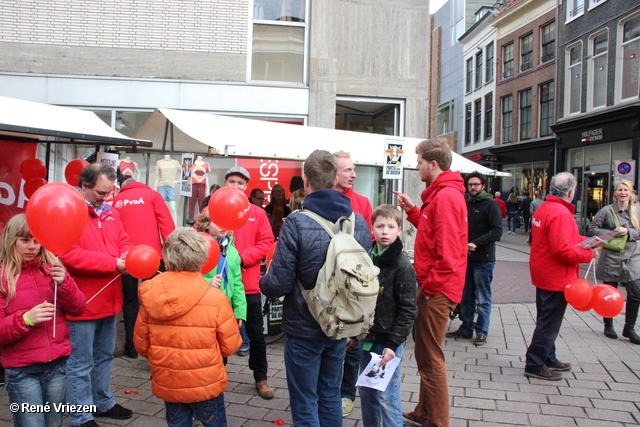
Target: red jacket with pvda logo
(144, 215)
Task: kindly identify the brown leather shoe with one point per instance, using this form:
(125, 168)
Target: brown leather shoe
(560, 366)
(411, 419)
(265, 391)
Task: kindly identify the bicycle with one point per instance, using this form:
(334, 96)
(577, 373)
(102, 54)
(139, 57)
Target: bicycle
(272, 319)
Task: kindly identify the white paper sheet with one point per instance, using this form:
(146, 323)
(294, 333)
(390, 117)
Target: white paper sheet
(375, 376)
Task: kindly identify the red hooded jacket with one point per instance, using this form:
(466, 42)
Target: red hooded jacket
(253, 241)
(555, 259)
(360, 204)
(145, 216)
(92, 263)
(23, 346)
(440, 256)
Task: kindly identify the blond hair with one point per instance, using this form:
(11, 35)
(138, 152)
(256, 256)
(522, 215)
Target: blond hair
(204, 221)
(342, 155)
(296, 199)
(437, 149)
(185, 250)
(11, 260)
(633, 208)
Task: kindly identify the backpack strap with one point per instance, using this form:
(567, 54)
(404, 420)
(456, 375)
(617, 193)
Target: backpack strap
(345, 224)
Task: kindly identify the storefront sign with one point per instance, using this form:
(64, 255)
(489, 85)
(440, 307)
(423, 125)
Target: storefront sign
(624, 169)
(185, 174)
(393, 156)
(12, 199)
(265, 173)
(475, 157)
(592, 135)
(490, 158)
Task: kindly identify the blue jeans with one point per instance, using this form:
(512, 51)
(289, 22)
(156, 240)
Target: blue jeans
(47, 387)
(245, 338)
(211, 413)
(381, 408)
(89, 366)
(477, 293)
(550, 308)
(314, 370)
(512, 217)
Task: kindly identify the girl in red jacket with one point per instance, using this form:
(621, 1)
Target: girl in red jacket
(34, 357)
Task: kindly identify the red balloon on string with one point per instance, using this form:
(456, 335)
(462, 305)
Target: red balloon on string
(32, 168)
(585, 308)
(32, 185)
(57, 216)
(270, 253)
(213, 255)
(73, 170)
(229, 208)
(607, 301)
(142, 261)
(578, 293)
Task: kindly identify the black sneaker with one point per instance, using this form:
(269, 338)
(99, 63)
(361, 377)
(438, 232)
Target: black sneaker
(90, 423)
(458, 334)
(117, 413)
(547, 375)
(560, 366)
(480, 340)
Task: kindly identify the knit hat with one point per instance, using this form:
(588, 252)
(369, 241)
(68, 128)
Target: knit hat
(296, 184)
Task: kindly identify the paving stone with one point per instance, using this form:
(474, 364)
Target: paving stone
(518, 396)
(609, 415)
(505, 417)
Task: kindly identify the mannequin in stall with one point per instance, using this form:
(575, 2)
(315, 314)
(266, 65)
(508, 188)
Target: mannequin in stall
(129, 168)
(199, 184)
(167, 176)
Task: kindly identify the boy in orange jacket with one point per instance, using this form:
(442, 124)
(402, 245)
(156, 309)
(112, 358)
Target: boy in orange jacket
(185, 327)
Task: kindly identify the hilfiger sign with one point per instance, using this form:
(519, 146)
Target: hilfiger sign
(592, 135)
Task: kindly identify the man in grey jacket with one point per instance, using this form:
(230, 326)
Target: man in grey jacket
(313, 361)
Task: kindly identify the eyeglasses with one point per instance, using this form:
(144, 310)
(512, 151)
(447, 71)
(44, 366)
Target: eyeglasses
(258, 198)
(103, 194)
(473, 184)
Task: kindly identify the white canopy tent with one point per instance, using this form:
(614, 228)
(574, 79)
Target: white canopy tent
(188, 131)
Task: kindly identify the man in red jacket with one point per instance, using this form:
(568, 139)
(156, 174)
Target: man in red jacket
(96, 262)
(147, 221)
(253, 241)
(554, 262)
(440, 262)
(345, 176)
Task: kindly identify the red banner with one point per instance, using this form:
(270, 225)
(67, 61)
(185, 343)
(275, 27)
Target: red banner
(12, 199)
(265, 173)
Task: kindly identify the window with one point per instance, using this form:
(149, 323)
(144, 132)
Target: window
(488, 116)
(630, 59)
(526, 52)
(469, 74)
(525, 114)
(573, 78)
(467, 124)
(597, 87)
(575, 8)
(445, 118)
(477, 120)
(479, 70)
(490, 54)
(507, 61)
(548, 40)
(595, 3)
(546, 108)
(278, 43)
(507, 117)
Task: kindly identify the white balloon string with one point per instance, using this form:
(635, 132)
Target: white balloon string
(586, 276)
(55, 303)
(103, 288)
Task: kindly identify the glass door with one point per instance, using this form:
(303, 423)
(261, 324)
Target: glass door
(595, 196)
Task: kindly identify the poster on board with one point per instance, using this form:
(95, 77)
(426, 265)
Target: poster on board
(185, 174)
(393, 157)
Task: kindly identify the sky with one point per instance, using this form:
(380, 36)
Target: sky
(434, 5)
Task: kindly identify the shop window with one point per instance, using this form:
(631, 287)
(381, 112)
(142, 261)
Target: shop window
(507, 117)
(546, 108)
(477, 120)
(526, 52)
(469, 85)
(548, 42)
(490, 60)
(525, 114)
(467, 124)
(629, 59)
(599, 57)
(479, 70)
(573, 79)
(488, 116)
(507, 61)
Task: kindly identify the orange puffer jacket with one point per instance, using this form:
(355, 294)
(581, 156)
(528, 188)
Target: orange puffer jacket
(185, 327)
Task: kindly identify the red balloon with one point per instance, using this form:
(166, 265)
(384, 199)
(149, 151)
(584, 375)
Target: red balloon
(142, 261)
(578, 293)
(32, 185)
(57, 216)
(585, 308)
(213, 256)
(270, 253)
(229, 208)
(32, 168)
(73, 170)
(607, 301)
